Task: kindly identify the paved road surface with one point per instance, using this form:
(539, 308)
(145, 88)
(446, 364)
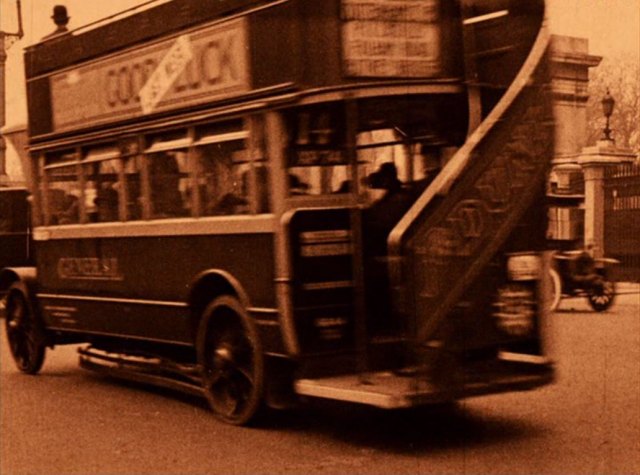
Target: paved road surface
(67, 420)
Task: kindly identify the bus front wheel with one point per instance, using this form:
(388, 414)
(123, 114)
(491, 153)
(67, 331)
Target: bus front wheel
(25, 333)
(232, 361)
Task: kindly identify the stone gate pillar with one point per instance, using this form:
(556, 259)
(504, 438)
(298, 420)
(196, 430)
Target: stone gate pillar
(570, 64)
(594, 160)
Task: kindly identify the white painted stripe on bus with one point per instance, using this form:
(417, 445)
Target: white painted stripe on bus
(158, 303)
(216, 225)
(268, 323)
(485, 17)
(163, 303)
(118, 335)
(262, 310)
(339, 284)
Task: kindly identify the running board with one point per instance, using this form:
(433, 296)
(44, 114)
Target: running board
(388, 390)
(148, 370)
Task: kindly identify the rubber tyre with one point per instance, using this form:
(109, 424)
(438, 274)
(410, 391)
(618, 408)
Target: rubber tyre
(556, 289)
(232, 362)
(25, 332)
(601, 299)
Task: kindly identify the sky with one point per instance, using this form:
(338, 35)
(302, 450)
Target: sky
(612, 27)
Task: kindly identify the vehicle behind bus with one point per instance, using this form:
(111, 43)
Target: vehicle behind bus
(15, 230)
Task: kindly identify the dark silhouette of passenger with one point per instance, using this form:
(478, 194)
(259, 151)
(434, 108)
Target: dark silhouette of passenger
(229, 204)
(107, 202)
(297, 186)
(165, 182)
(378, 221)
(385, 213)
(61, 19)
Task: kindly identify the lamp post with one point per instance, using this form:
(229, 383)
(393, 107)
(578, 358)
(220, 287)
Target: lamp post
(608, 103)
(4, 45)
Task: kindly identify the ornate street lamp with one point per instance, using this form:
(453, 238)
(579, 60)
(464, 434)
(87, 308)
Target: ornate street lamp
(608, 103)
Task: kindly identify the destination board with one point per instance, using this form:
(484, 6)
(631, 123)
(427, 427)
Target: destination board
(391, 38)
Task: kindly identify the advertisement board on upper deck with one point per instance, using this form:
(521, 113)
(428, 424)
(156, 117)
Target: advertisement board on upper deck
(190, 69)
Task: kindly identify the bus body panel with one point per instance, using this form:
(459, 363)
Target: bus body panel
(145, 276)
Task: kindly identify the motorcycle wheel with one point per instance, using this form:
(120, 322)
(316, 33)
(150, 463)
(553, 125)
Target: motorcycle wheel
(601, 297)
(556, 290)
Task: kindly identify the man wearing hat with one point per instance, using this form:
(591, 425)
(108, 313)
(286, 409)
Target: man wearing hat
(60, 18)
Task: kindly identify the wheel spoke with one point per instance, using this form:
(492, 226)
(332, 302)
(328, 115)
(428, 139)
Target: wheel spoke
(225, 401)
(25, 341)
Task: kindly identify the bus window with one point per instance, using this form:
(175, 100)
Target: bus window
(62, 188)
(133, 187)
(384, 163)
(317, 159)
(102, 165)
(223, 178)
(223, 168)
(416, 160)
(169, 179)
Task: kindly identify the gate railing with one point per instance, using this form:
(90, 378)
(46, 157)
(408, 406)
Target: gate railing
(622, 218)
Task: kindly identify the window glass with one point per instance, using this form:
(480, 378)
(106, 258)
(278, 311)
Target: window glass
(317, 158)
(133, 187)
(169, 178)
(169, 184)
(100, 168)
(223, 178)
(63, 194)
(388, 158)
(102, 190)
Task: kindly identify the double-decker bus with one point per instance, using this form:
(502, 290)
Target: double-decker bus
(258, 200)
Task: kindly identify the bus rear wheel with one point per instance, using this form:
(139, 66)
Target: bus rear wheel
(24, 333)
(232, 362)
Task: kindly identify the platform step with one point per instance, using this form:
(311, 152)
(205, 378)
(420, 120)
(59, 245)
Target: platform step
(409, 387)
(386, 389)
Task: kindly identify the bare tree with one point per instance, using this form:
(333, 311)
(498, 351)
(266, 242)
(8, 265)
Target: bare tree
(620, 74)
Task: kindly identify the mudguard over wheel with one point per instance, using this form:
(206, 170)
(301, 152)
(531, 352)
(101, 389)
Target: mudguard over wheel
(25, 332)
(601, 296)
(232, 362)
(556, 289)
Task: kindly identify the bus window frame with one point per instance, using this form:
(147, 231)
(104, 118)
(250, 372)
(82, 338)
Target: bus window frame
(140, 145)
(74, 161)
(113, 153)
